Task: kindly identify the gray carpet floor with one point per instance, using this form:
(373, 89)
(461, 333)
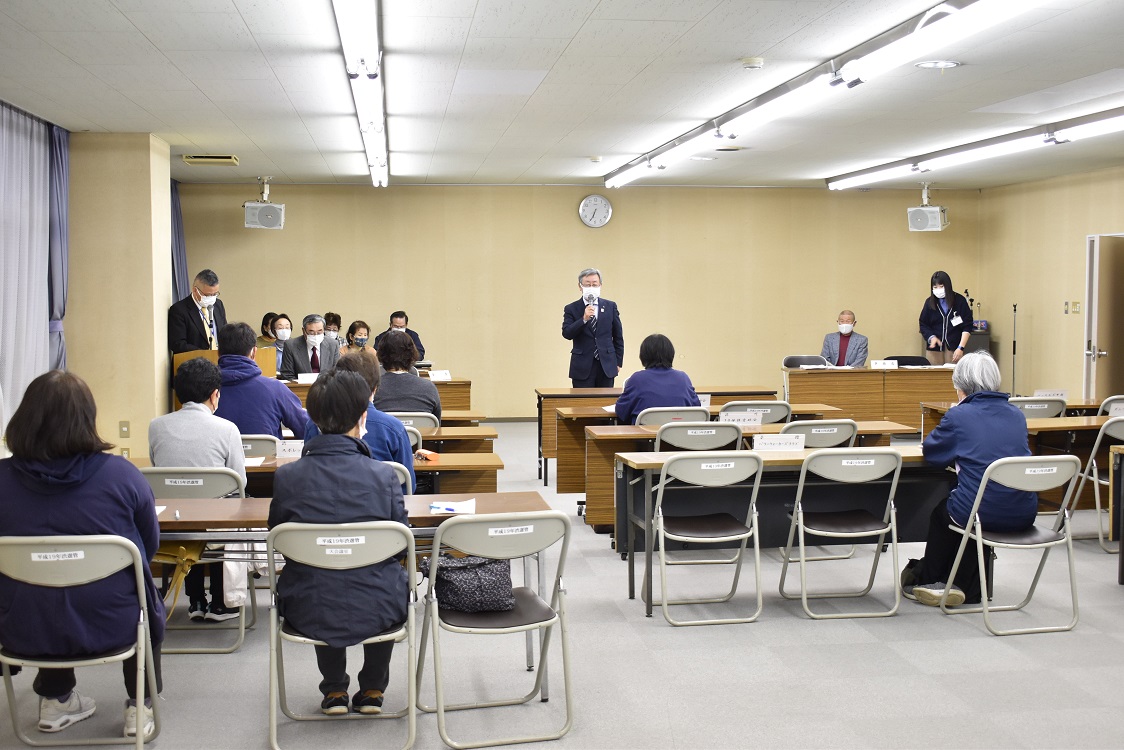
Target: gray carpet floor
(919, 679)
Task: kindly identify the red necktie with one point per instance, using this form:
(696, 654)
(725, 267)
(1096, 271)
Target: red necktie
(315, 360)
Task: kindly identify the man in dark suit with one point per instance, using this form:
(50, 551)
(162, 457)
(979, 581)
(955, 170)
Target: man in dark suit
(594, 325)
(310, 352)
(398, 321)
(194, 321)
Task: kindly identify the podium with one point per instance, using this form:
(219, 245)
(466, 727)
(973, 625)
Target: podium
(266, 359)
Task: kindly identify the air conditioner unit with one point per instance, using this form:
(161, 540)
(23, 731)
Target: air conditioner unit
(927, 218)
(264, 215)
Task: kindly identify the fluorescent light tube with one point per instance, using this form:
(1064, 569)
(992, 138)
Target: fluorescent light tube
(1091, 129)
(984, 152)
(871, 177)
(628, 175)
(794, 102)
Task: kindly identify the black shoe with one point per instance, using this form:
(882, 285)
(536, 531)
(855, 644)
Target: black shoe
(909, 579)
(197, 610)
(334, 704)
(217, 613)
(368, 702)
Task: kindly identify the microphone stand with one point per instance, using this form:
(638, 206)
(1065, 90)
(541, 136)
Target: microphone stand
(1014, 342)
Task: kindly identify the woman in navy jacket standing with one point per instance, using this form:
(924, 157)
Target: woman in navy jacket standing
(945, 321)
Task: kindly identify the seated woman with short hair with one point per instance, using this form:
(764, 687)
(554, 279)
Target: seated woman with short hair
(400, 390)
(658, 384)
(61, 482)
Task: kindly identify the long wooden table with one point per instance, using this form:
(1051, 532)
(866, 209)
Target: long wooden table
(862, 394)
(604, 442)
(459, 439)
(456, 394)
(550, 399)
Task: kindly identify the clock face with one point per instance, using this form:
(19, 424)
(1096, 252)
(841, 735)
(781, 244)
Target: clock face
(595, 211)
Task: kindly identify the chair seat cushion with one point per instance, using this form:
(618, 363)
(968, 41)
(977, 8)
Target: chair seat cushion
(289, 630)
(62, 660)
(712, 526)
(529, 609)
(1033, 535)
(844, 522)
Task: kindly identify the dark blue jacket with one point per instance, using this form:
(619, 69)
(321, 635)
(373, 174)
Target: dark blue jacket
(258, 405)
(935, 322)
(386, 437)
(657, 386)
(413, 336)
(609, 338)
(980, 429)
(335, 481)
(92, 493)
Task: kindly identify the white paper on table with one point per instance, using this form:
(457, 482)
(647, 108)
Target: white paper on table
(813, 367)
(290, 449)
(749, 416)
(778, 442)
(257, 461)
(464, 506)
(883, 364)
(440, 375)
(611, 408)
(704, 400)
(307, 378)
(160, 509)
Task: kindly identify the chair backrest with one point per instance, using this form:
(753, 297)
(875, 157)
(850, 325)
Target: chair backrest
(1035, 407)
(415, 438)
(852, 465)
(712, 468)
(909, 360)
(191, 482)
(796, 360)
(338, 546)
(770, 411)
(824, 433)
(1108, 403)
(403, 476)
(59, 561)
(698, 436)
(416, 419)
(260, 445)
(504, 536)
(657, 415)
(1031, 474)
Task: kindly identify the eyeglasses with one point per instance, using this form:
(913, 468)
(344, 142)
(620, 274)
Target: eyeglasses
(591, 286)
(204, 294)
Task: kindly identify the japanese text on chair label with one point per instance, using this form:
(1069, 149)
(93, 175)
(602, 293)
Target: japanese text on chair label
(1035, 406)
(337, 551)
(700, 432)
(858, 462)
(334, 541)
(824, 430)
(408, 422)
(508, 530)
(57, 556)
(184, 482)
(1043, 470)
(718, 465)
(247, 447)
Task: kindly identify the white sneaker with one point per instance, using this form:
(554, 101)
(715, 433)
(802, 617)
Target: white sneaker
(131, 721)
(55, 716)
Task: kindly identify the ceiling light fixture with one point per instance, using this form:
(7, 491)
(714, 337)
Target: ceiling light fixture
(628, 175)
(869, 178)
(937, 64)
(1090, 129)
(358, 24)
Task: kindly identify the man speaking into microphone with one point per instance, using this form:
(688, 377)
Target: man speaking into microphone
(194, 321)
(593, 323)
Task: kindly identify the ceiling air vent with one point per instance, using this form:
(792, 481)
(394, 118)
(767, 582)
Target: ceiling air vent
(217, 160)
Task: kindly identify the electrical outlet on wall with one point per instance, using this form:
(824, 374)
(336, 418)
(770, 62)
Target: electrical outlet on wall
(123, 429)
(1076, 307)
(125, 452)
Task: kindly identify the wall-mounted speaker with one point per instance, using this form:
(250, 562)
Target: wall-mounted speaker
(265, 215)
(927, 218)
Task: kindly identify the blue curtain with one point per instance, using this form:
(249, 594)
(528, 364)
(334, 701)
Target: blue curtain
(59, 242)
(181, 285)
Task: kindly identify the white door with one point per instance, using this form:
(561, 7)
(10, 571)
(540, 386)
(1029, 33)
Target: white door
(1104, 317)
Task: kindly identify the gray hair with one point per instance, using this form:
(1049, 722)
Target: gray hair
(590, 272)
(207, 277)
(847, 312)
(310, 319)
(976, 371)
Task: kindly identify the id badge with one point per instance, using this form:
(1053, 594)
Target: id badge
(956, 319)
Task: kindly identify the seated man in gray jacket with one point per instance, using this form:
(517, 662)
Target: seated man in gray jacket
(845, 348)
(194, 436)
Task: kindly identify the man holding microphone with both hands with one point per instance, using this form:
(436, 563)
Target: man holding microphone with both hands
(594, 325)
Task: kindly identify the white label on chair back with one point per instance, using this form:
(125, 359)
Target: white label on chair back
(290, 449)
(337, 551)
(824, 430)
(717, 465)
(408, 422)
(507, 530)
(441, 375)
(778, 442)
(701, 432)
(1052, 394)
(183, 482)
(1116, 410)
(858, 462)
(751, 417)
(330, 541)
(704, 400)
(1043, 470)
(247, 447)
(883, 364)
(1035, 406)
(57, 556)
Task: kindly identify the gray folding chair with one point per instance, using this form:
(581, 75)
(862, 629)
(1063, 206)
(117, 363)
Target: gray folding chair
(909, 360)
(1039, 407)
(255, 446)
(698, 436)
(403, 476)
(64, 561)
(1030, 474)
(1112, 430)
(770, 411)
(658, 415)
(415, 438)
(416, 419)
(336, 547)
(201, 483)
(847, 466)
(797, 360)
(1108, 404)
(501, 536)
(692, 472)
(824, 433)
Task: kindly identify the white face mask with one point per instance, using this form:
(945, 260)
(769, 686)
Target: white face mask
(332, 334)
(316, 339)
(845, 328)
(208, 300)
(283, 334)
(396, 328)
(938, 292)
(591, 293)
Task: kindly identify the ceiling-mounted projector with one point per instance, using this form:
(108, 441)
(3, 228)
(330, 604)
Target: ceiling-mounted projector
(265, 215)
(926, 218)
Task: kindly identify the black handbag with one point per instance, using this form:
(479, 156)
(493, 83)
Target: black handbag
(473, 584)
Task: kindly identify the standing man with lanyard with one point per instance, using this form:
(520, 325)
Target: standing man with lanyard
(194, 321)
(594, 325)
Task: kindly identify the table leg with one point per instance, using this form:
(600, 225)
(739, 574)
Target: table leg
(649, 543)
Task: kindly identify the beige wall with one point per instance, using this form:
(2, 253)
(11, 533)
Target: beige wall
(119, 289)
(736, 277)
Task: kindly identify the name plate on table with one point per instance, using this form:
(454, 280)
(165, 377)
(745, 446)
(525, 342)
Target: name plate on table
(704, 400)
(307, 378)
(778, 442)
(750, 416)
(443, 375)
(290, 449)
(883, 364)
(1064, 395)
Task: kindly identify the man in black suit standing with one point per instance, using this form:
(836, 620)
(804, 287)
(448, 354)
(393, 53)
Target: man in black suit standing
(310, 352)
(593, 323)
(194, 321)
